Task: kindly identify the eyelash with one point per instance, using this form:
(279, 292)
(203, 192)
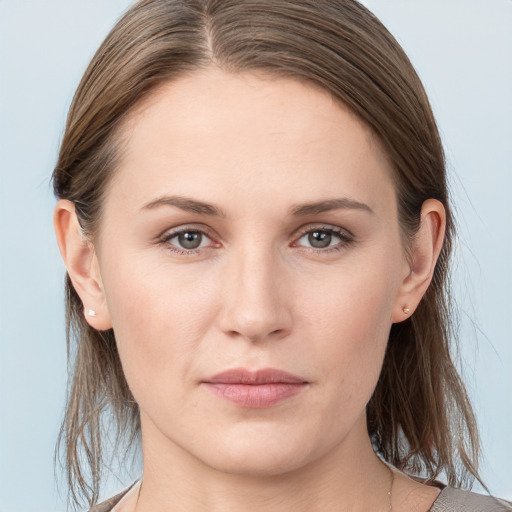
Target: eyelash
(166, 238)
(346, 239)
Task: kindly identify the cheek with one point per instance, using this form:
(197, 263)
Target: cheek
(156, 319)
(349, 316)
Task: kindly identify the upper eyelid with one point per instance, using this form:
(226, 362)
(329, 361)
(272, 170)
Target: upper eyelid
(171, 232)
(325, 227)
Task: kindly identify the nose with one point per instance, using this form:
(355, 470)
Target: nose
(257, 303)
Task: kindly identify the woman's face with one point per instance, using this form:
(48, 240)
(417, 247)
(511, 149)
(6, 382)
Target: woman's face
(251, 225)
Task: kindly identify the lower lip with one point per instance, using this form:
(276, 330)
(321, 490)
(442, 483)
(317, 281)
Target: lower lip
(255, 396)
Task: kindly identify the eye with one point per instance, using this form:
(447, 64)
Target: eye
(325, 238)
(186, 240)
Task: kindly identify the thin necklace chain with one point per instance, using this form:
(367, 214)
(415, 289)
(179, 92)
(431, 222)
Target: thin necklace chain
(390, 492)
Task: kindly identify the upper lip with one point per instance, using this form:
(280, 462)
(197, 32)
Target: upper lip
(263, 376)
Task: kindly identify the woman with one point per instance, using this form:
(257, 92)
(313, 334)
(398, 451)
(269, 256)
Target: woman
(254, 217)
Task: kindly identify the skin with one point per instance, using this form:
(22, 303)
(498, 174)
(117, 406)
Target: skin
(258, 292)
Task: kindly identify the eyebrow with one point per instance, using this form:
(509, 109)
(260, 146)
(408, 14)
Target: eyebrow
(187, 204)
(301, 210)
(345, 203)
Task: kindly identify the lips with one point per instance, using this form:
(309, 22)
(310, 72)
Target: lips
(255, 390)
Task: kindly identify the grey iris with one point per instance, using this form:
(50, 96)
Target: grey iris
(190, 239)
(319, 239)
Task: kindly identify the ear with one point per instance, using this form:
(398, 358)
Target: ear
(82, 265)
(425, 249)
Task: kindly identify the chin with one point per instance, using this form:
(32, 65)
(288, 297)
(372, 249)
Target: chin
(259, 452)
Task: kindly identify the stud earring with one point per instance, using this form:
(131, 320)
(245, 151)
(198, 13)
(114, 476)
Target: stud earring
(406, 310)
(91, 312)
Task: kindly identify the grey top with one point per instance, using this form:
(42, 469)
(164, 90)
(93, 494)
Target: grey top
(456, 500)
(449, 500)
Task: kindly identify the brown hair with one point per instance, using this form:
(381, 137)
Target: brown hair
(419, 417)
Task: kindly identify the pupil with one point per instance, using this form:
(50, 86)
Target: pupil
(319, 239)
(190, 240)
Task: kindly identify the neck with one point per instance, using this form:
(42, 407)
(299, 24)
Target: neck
(349, 477)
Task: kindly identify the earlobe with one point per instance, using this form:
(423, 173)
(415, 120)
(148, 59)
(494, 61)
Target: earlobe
(425, 249)
(81, 262)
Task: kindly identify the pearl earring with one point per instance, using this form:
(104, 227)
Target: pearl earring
(91, 312)
(406, 310)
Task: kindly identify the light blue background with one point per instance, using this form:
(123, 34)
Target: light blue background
(463, 52)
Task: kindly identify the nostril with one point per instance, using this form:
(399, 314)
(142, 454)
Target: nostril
(256, 335)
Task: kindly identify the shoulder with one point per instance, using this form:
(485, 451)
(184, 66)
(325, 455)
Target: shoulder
(457, 500)
(108, 505)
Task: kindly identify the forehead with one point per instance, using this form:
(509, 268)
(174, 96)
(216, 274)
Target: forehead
(244, 133)
(253, 100)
